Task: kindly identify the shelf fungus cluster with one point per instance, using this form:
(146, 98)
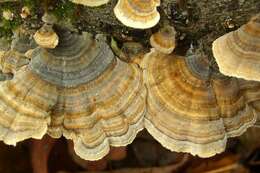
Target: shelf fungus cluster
(70, 91)
(191, 110)
(73, 85)
(238, 53)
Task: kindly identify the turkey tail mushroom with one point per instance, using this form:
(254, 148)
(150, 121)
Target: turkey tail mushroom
(101, 99)
(46, 37)
(188, 110)
(78, 89)
(164, 40)
(25, 102)
(238, 53)
(138, 14)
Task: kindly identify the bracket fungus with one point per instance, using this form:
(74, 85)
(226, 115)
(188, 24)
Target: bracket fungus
(140, 14)
(164, 40)
(238, 53)
(188, 108)
(251, 90)
(79, 90)
(46, 36)
(90, 3)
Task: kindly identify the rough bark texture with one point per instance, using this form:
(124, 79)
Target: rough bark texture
(197, 22)
(194, 20)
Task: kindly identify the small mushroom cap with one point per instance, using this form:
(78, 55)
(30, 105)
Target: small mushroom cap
(79, 90)
(90, 3)
(164, 40)
(238, 53)
(46, 37)
(190, 111)
(140, 14)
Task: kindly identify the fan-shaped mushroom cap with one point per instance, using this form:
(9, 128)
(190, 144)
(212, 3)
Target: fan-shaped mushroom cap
(24, 105)
(164, 40)
(140, 14)
(46, 37)
(90, 96)
(250, 89)
(238, 53)
(90, 109)
(25, 100)
(90, 3)
(187, 109)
